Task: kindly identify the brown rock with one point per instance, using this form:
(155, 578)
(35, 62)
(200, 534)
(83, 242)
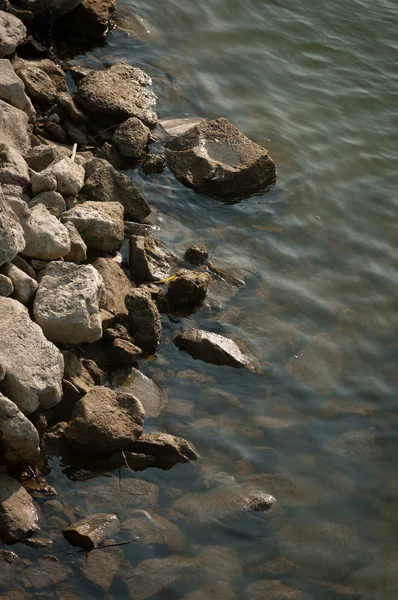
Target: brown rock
(123, 352)
(101, 567)
(130, 138)
(117, 287)
(131, 380)
(92, 532)
(188, 289)
(167, 449)
(149, 259)
(153, 530)
(196, 255)
(144, 320)
(18, 515)
(46, 571)
(274, 590)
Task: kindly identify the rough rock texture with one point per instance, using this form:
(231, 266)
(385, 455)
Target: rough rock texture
(119, 92)
(273, 589)
(24, 286)
(105, 421)
(153, 163)
(12, 90)
(45, 236)
(11, 233)
(12, 33)
(6, 287)
(144, 320)
(216, 349)
(215, 158)
(53, 201)
(117, 287)
(13, 168)
(105, 184)
(149, 259)
(39, 157)
(67, 303)
(92, 532)
(43, 182)
(196, 255)
(66, 102)
(38, 84)
(31, 366)
(13, 127)
(78, 249)
(18, 515)
(69, 176)
(176, 127)
(100, 224)
(55, 73)
(131, 380)
(153, 530)
(167, 449)
(130, 138)
(123, 352)
(56, 7)
(188, 289)
(19, 438)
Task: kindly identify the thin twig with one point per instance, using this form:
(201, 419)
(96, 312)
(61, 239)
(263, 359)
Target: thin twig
(137, 537)
(135, 475)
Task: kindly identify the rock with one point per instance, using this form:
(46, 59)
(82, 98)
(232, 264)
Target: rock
(104, 421)
(131, 380)
(131, 493)
(216, 349)
(196, 255)
(6, 287)
(144, 320)
(220, 563)
(12, 90)
(32, 365)
(131, 228)
(279, 338)
(222, 590)
(153, 163)
(101, 567)
(45, 236)
(9, 561)
(18, 515)
(38, 84)
(11, 233)
(176, 127)
(43, 182)
(54, 131)
(188, 289)
(24, 266)
(119, 92)
(117, 287)
(40, 157)
(78, 249)
(19, 438)
(76, 135)
(274, 590)
(130, 138)
(12, 33)
(14, 127)
(53, 201)
(167, 449)
(66, 102)
(55, 73)
(153, 530)
(123, 352)
(318, 365)
(67, 303)
(105, 184)
(69, 176)
(215, 158)
(76, 373)
(92, 532)
(13, 168)
(149, 259)
(362, 448)
(47, 571)
(100, 224)
(99, 376)
(91, 20)
(24, 286)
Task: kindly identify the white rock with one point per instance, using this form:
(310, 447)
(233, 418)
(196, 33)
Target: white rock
(24, 286)
(12, 90)
(14, 169)
(67, 303)
(14, 128)
(99, 223)
(45, 236)
(18, 435)
(43, 182)
(69, 176)
(11, 233)
(12, 33)
(31, 366)
(53, 201)
(78, 249)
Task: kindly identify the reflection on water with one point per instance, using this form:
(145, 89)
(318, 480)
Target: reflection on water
(316, 84)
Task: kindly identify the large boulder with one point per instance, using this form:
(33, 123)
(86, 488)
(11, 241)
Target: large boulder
(45, 236)
(215, 158)
(100, 224)
(117, 287)
(11, 233)
(12, 33)
(105, 184)
(12, 90)
(144, 320)
(31, 367)
(130, 138)
(14, 127)
(18, 436)
(67, 303)
(18, 515)
(104, 421)
(56, 8)
(119, 92)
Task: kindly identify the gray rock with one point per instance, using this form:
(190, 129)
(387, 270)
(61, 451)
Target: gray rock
(105, 184)
(53, 201)
(144, 320)
(12, 33)
(149, 259)
(130, 138)
(104, 421)
(11, 233)
(215, 158)
(18, 515)
(216, 349)
(75, 134)
(119, 92)
(131, 380)
(154, 530)
(167, 449)
(69, 176)
(6, 287)
(38, 84)
(91, 532)
(67, 303)
(279, 338)
(222, 590)
(13, 168)
(100, 224)
(24, 266)
(12, 90)
(273, 589)
(55, 73)
(24, 286)
(14, 127)
(78, 249)
(101, 567)
(187, 289)
(66, 102)
(43, 182)
(45, 236)
(19, 438)
(117, 287)
(32, 366)
(40, 157)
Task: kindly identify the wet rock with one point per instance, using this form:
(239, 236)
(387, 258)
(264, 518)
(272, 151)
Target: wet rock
(66, 102)
(19, 438)
(332, 591)
(220, 563)
(40, 157)
(45, 572)
(92, 429)
(53, 201)
(92, 532)
(32, 366)
(167, 449)
(37, 543)
(149, 259)
(13, 168)
(100, 224)
(196, 255)
(188, 289)
(274, 590)
(6, 287)
(130, 138)
(12, 90)
(362, 448)
(222, 590)
(215, 158)
(14, 127)
(38, 84)
(176, 127)
(18, 515)
(12, 33)
(117, 287)
(216, 349)
(142, 387)
(9, 562)
(101, 567)
(153, 163)
(136, 462)
(123, 352)
(153, 530)
(105, 184)
(11, 233)
(144, 320)
(45, 236)
(25, 287)
(78, 249)
(131, 493)
(67, 303)
(279, 339)
(318, 365)
(92, 19)
(119, 92)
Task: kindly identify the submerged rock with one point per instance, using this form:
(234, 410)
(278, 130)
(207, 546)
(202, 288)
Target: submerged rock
(91, 532)
(215, 158)
(144, 320)
(18, 515)
(12, 33)
(101, 567)
(130, 138)
(18, 437)
(167, 449)
(154, 530)
(273, 589)
(100, 224)
(142, 387)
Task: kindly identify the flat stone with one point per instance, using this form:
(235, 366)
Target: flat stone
(6, 287)
(92, 532)
(25, 287)
(45, 236)
(18, 515)
(131, 380)
(100, 224)
(131, 138)
(144, 320)
(12, 33)
(14, 127)
(11, 233)
(167, 449)
(19, 437)
(117, 287)
(12, 90)
(153, 530)
(67, 303)
(47, 571)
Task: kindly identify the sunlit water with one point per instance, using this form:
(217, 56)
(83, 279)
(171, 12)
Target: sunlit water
(317, 84)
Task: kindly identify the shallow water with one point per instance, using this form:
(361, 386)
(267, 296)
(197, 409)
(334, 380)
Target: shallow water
(317, 84)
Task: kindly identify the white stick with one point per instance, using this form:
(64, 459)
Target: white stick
(73, 152)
